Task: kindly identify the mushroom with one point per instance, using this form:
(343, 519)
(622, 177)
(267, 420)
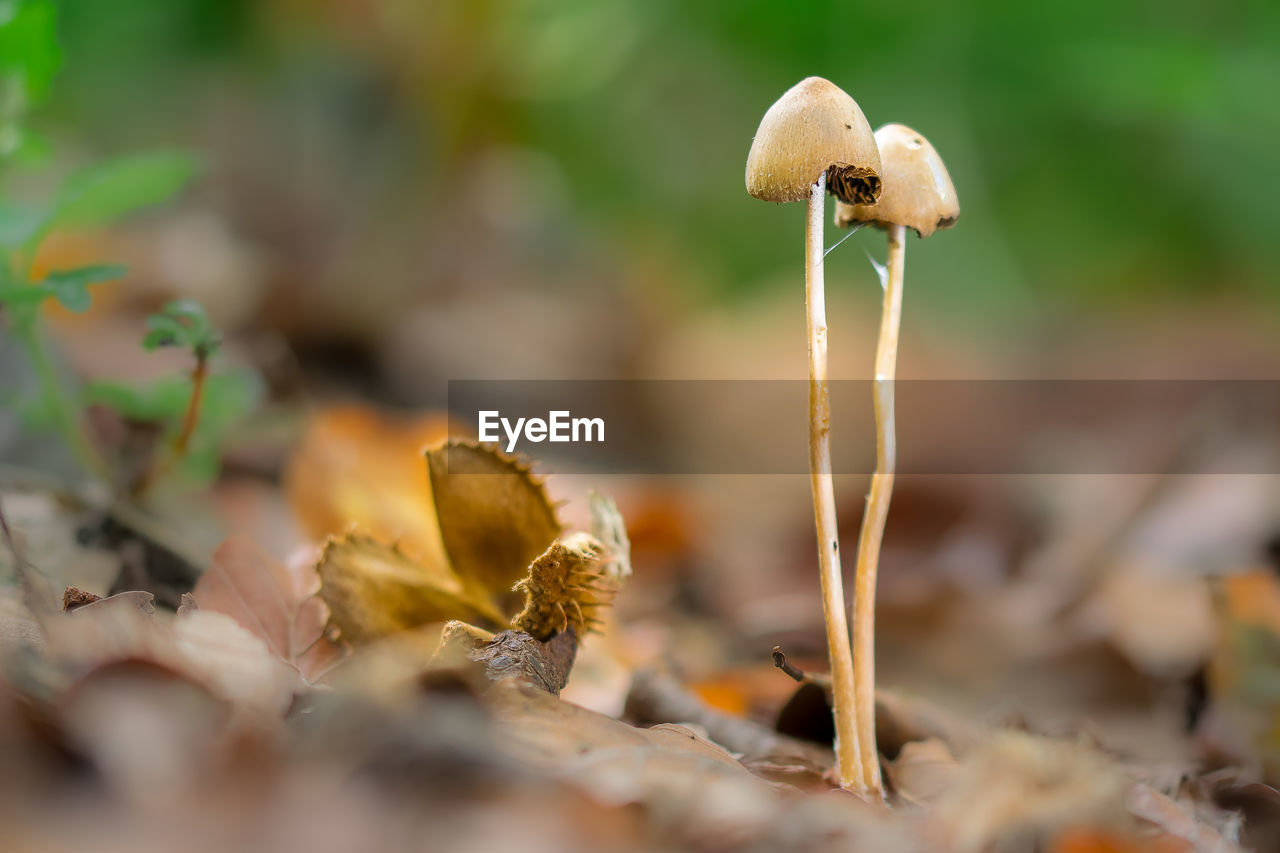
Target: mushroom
(918, 194)
(815, 139)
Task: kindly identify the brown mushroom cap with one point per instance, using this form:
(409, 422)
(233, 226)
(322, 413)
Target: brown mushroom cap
(918, 192)
(814, 128)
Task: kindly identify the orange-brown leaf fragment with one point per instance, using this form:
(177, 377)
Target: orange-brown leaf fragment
(356, 467)
(374, 590)
(495, 517)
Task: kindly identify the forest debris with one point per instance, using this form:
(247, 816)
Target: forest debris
(692, 788)
(74, 597)
(1149, 804)
(1025, 789)
(495, 517)
(609, 527)
(374, 590)
(923, 771)
(657, 698)
(1136, 603)
(150, 731)
(143, 601)
(208, 648)
(275, 603)
(515, 654)
(900, 719)
(356, 467)
(563, 589)
(235, 664)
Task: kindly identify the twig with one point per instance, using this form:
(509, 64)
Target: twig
(656, 698)
(780, 661)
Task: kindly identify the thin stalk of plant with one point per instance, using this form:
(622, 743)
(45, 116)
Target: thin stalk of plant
(182, 323)
(24, 319)
(877, 511)
(192, 415)
(830, 575)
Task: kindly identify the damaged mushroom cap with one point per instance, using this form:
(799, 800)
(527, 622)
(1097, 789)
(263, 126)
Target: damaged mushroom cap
(918, 192)
(814, 128)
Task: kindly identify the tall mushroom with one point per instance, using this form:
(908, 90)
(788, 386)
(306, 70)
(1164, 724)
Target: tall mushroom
(918, 194)
(815, 139)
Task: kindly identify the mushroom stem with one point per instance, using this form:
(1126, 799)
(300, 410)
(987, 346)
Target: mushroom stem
(848, 754)
(873, 521)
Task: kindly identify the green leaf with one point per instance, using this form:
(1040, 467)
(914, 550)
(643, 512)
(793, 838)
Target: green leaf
(15, 295)
(19, 225)
(156, 401)
(183, 323)
(29, 52)
(165, 331)
(111, 190)
(227, 398)
(71, 287)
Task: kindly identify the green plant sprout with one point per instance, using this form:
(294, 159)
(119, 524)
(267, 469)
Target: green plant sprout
(29, 58)
(183, 323)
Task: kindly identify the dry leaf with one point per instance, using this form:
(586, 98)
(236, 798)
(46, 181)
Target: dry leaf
(357, 467)
(696, 789)
(275, 603)
(1094, 840)
(1021, 786)
(608, 526)
(923, 771)
(1135, 605)
(150, 732)
(494, 515)
(208, 648)
(374, 590)
(1176, 820)
(233, 663)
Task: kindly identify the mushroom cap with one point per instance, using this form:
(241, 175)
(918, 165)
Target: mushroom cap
(814, 128)
(918, 192)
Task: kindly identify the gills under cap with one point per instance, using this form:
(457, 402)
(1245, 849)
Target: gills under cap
(918, 192)
(814, 128)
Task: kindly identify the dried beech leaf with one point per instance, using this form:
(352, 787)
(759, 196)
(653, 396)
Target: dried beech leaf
(495, 517)
(564, 589)
(234, 663)
(359, 468)
(270, 600)
(374, 590)
(210, 649)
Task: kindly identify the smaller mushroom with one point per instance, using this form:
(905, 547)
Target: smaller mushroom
(918, 194)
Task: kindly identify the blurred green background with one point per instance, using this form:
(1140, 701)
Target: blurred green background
(386, 157)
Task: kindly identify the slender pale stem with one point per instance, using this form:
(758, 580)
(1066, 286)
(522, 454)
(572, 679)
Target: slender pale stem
(864, 590)
(848, 763)
(160, 466)
(65, 416)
